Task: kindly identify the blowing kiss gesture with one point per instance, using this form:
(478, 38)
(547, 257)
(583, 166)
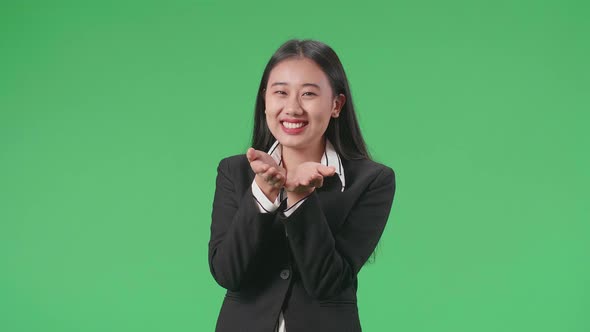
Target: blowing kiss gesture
(298, 183)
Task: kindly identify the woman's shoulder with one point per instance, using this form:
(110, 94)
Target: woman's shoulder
(236, 169)
(235, 162)
(366, 172)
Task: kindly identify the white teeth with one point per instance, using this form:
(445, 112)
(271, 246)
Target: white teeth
(292, 125)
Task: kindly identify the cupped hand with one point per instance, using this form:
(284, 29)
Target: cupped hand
(270, 177)
(307, 177)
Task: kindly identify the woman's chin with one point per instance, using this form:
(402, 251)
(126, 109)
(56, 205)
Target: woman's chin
(290, 143)
(293, 143)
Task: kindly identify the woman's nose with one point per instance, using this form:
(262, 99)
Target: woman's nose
(293, 105)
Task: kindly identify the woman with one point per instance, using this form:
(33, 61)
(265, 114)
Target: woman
(295, 219)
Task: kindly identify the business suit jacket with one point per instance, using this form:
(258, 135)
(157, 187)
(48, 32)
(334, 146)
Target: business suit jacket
(305, 264)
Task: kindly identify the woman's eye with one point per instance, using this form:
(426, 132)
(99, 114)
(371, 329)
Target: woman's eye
(280, 92)
(309, 94)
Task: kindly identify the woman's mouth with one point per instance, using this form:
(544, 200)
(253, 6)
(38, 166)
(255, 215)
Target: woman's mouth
(293, 127)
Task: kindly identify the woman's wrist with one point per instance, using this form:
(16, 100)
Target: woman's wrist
(295, 196)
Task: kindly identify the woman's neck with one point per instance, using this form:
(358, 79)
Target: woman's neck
(294, 157)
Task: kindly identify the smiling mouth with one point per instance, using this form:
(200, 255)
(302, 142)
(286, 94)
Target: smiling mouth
(293, 125)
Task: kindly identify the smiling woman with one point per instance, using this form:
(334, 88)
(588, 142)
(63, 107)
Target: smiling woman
(299, 104)
(297, 216)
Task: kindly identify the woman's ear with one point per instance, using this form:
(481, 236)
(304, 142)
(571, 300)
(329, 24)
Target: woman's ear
(338, 104)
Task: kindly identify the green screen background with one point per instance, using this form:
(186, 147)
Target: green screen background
(115, 114)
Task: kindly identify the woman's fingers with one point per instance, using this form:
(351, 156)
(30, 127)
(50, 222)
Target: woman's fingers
(316, 181)
(269, 174)
(276, 181)
(273, 176)
(305, 184)
(309, 175)
(261, 162)
(319, 182)
(253, 154)
(266, 169)
(326, 170)
(250, 154)
(259, 167)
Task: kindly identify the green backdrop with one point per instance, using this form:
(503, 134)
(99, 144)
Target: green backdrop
(114, 115)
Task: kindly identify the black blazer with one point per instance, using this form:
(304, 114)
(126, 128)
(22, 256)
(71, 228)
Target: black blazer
(305, 264)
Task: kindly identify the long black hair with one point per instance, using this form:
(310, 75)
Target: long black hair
(343, 132)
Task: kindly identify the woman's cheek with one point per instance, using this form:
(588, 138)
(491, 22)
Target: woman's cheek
(272, 108)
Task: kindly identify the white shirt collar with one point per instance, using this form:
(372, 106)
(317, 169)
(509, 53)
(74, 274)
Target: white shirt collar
(329, 158)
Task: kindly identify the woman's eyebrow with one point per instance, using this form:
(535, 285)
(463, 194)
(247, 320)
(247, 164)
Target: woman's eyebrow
(304, 84)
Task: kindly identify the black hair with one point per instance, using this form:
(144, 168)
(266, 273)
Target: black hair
(343, 132)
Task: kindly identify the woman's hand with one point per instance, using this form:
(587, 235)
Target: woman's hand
(270, 177)
(303, 181)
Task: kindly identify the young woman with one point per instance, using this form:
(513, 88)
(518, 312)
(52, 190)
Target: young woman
(297, 216)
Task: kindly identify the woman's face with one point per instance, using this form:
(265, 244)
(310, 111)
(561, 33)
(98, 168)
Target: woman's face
(299, 103)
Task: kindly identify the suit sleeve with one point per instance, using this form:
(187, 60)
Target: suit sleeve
(237, 230)
(329, 263)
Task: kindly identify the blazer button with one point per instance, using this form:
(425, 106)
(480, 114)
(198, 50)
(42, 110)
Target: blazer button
(285, 274)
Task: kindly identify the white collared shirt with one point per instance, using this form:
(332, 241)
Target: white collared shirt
(329, 158)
